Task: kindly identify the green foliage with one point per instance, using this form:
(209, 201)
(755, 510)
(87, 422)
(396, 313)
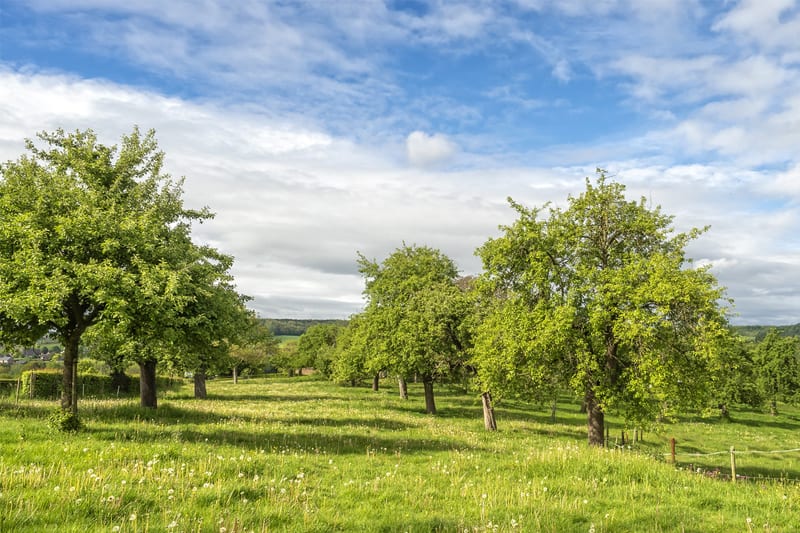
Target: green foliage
(351, 353)
(777, 360)
(599, 295)
(64, 421)
(91, 235)
(315, 347)
(758, 333)
(295, 327)
(47, 384)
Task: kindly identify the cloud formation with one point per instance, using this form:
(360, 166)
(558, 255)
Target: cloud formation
(292, 120)
(427, 150)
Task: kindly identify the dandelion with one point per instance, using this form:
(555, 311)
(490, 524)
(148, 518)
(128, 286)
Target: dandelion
(172, 525)
(56, 488)
(132, 517)
(241, 475)
(585, 502)
(591, 528)
(115, 529)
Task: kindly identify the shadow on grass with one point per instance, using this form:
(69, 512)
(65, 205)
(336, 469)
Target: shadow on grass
(311, 441)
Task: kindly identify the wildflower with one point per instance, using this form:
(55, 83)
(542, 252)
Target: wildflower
(132, 517)
(56, 488)
(115, 529)
(172, 525)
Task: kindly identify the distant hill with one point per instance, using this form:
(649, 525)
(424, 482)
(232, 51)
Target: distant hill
(295, 326)
(759, 332)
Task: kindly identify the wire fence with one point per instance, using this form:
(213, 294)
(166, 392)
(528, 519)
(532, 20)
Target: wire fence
(733, 453)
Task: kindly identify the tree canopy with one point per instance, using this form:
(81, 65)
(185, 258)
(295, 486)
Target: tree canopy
(601, 296)
(413, 315)
(92, 234)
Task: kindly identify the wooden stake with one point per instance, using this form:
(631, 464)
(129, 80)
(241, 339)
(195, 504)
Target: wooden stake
(733, 465)
(672, 442)
(488, 412)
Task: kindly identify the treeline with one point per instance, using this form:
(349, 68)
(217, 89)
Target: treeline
(597, 298)
(758, 333)
(295, 326)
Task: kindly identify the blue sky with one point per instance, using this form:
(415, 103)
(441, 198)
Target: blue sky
(321, 128)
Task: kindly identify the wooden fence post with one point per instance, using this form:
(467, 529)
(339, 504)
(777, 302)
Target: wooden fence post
(19, 382)
(488, 412)
(733, 465)
(672, 442)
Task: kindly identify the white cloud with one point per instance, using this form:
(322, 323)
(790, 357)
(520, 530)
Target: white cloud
(425, 150)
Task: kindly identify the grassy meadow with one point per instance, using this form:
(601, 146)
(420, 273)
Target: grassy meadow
(300, 454)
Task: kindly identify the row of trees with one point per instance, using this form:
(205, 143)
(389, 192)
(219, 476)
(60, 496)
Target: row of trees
(597, 297)
(96, 247)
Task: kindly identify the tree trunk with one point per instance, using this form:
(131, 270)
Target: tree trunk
(120, 381)
(69, 398)
(430, 404)
(235, 375)
(147, 384)
(376, 381)
(553, 408)
(200, 392)
(488, 412)
(401, 382)
(595, 419)
(291, 372)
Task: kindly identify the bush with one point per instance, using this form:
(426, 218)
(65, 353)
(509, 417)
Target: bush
(8, 387)
(64, 421)
(41, 384)
(46, 384)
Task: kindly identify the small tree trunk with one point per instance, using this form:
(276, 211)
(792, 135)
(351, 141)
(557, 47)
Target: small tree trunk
(553, 408)
(773, 407)
(430, 404)
(595, 419)
(291, 372)
(200, 385)
(147, 384)
(69, 398)
(235, 375)
(723, 411)
(376, 381)
(352, 382)
(401, 382)
(488, 412)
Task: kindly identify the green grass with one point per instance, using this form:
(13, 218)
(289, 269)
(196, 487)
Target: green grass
(283, 339)
(306, 455)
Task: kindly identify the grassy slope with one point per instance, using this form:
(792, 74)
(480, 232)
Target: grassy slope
(303, 455)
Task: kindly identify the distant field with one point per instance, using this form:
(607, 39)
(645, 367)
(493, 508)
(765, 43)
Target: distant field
(304, 455)
(283, 339)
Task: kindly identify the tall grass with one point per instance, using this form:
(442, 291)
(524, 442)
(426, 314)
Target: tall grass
(306, 455)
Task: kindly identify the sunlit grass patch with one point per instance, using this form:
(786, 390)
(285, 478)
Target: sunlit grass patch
(307, 455)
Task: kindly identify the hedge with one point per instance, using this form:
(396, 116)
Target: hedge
(8, 387)
(47, 384)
